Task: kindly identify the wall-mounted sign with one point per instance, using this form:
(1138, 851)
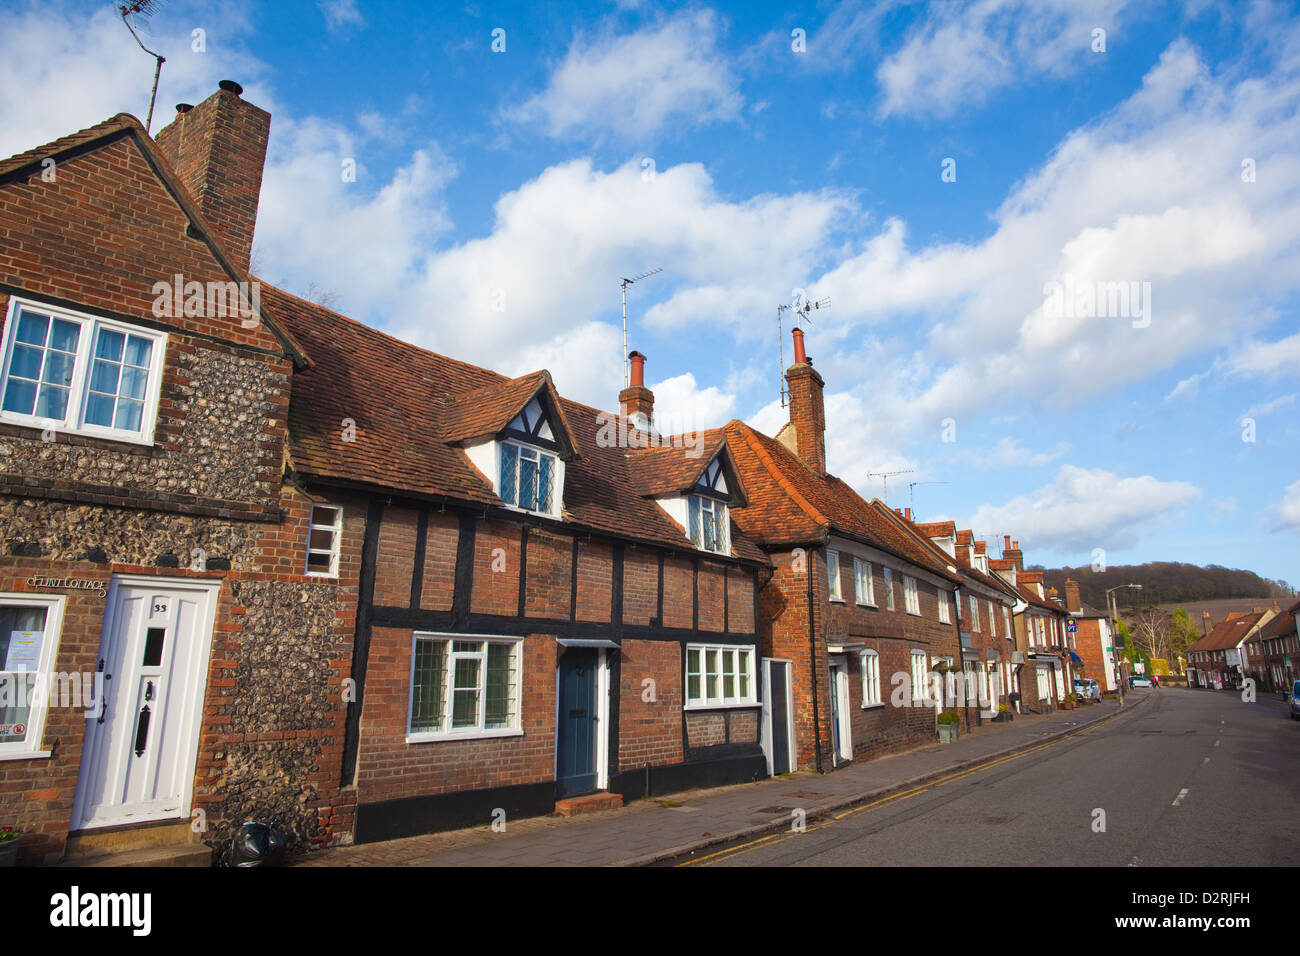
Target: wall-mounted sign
(68, 584)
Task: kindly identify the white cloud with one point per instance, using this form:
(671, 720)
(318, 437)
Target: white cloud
(1289, 508)
(76, 69)
(960, 53)
(536, 275)
(682, 406)
(1263, 408)
(1084, 509)
(632, 85)
(341, 13)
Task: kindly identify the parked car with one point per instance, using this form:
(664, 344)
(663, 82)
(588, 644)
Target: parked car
(1295, 700)
(1138, 682)
(1088, 688)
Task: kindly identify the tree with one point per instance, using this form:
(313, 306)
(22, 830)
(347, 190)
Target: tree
(1153, 631)
(1184, 633)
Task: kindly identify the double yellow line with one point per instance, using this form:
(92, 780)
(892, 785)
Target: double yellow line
(774, 838)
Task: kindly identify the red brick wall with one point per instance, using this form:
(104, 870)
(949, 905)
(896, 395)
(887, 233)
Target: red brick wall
(650, 732)
(595, 581)
(550, 569)
(496, 568)
(712, 594)
(440, 562)
(679, 591)
(390, 768)
(396, 559)
(640, 586)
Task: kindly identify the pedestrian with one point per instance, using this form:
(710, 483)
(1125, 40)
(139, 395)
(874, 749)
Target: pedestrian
(1155, 679)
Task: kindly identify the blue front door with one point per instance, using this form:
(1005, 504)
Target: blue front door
(576, 736)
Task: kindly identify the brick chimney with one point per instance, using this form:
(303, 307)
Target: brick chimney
(807, 411)
(1011, 551)
(1072, 602)
(636, 401)
(218, 149)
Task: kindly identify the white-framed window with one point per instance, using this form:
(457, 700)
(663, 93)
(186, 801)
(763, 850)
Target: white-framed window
(1042, 633)
(707, 524)
(719, 675)
(464, 685)
(970, 688)
(911, 600)
(863, 590)
(918, 676)
(324, 536)
(79, 373)
(833, 574)
(993, 621)
(527, 478)
(30, 627)
(889, 588)
(1006, 621)
(945, 616)
(870, 678)
(974, 614)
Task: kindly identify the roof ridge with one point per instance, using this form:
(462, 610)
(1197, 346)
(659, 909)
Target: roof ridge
(804, 504)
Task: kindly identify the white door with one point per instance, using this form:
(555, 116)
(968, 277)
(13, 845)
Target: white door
(138, 760)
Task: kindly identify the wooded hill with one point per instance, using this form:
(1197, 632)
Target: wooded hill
(1164, 582)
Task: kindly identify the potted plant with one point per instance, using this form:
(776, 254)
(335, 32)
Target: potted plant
(1067, 702)
(1005, 714)
(9, 845)
(949, 722)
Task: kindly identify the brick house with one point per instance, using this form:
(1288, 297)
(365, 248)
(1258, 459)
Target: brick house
(553, 600)
(152, 580)
(1041, 673)
(1220, 659)
(308, 573)
(987, 605)
(856, 612)
(1092, 637)
(1274, 649)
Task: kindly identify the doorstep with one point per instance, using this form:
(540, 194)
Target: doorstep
(156, 844)
(588, 803)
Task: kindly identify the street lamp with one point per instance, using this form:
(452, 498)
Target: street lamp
(1114, 631)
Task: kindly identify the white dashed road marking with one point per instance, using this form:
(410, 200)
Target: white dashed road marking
(1179, 799)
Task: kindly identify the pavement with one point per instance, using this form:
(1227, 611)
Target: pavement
(653, 830)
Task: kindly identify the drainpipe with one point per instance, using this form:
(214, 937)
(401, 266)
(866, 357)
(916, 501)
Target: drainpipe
(812, 655)
(961, 655)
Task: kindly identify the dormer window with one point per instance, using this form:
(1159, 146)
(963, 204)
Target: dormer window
(528, 478)
(706, 511)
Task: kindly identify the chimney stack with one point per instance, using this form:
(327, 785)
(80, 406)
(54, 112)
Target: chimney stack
(1072, 602)
(218, 149)
(807, 411)
(1013, 553)
(636, 401)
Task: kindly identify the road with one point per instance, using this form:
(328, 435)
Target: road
(1193, 778)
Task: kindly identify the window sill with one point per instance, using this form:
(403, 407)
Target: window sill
(731, 706)
(838, 600)
(9, 418)
(461, 735)
(879, 705)
(27, 755)
(914, 613)
(869, 604)
(557, 516)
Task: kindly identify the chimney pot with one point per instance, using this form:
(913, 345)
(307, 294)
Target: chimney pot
(638, 368)
(230, 86)
(907, 513)
(183, 108)
(800, 357)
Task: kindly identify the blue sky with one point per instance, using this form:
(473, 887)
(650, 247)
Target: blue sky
(500, 196)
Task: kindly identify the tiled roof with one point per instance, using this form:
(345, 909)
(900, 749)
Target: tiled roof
(937, 529)
(789, 504)
(676, 466)
(1001, 564)
(109, 126)
(1282, 624)
(486, 411)
(1227, 633)
(397, 396)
